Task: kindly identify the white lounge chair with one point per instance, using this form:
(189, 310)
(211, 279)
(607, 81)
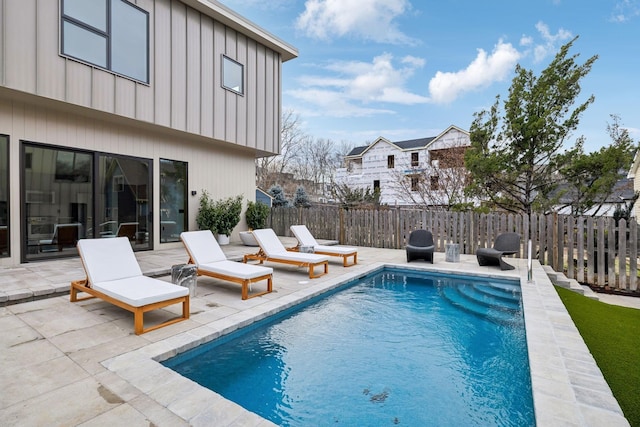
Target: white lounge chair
(305, 238)
(209, 259)
(272, 249)
(113, 274)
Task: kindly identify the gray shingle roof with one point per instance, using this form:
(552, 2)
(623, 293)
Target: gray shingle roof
(414, 143)
(403, 145)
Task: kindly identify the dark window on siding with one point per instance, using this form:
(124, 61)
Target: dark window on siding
(111, 34)
(391, 162)
(414, 159)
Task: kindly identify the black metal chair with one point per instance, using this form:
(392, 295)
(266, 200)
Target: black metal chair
(505, 244)
(420, 246)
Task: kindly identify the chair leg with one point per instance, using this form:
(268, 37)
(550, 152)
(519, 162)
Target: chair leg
(505, 266)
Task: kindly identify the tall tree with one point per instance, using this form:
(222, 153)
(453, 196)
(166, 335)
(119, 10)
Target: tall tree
(591, 177)
(513, 157)
(269, 170)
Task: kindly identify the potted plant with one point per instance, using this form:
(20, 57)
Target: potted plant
(256, 216)
(219, 216)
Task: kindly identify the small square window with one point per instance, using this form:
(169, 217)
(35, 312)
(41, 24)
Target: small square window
(232, 75)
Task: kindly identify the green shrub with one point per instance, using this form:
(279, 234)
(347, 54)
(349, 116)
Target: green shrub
(220, 216)
(256, 215)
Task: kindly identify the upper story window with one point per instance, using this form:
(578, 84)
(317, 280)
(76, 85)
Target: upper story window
(232, 75)
(391, 160)
(111, 34)
(414, 159)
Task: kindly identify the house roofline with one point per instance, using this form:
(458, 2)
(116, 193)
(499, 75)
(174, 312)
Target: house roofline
(231, 19)
(383, 139)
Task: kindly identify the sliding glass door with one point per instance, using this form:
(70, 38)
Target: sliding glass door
(57, 200)
(73, 194)
(173, 199)
(4, 196)
(123, 199)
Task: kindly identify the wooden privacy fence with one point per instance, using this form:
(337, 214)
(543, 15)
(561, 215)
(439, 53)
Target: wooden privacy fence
(594, 251)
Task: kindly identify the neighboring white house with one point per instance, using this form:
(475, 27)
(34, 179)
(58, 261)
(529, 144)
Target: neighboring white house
(116, 114)
(389, 166)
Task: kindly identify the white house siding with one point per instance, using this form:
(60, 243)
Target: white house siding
(184, 91)
(634, 174)
(371, 165)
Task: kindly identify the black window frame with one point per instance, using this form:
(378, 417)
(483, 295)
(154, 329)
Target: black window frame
(105, 34)
(7, 180)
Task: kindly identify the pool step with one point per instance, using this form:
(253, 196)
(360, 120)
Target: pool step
(508, 293)
(482, 303)
(559, 279)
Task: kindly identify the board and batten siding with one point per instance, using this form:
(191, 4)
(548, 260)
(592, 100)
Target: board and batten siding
(184, 91)
(218, 169)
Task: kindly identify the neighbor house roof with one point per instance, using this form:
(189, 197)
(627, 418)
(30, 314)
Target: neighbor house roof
(409, 144)
(414, 143)
(622, 191)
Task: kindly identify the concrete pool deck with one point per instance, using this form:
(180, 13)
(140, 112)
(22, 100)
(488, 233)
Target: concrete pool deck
(81, 364)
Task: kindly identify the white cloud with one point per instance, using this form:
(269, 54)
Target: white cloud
(445, 87)
(351, 85)
(625, 10)
(330, 103)
(371, 20)
(550, 41)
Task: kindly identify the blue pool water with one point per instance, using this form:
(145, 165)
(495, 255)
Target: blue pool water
(394, 348)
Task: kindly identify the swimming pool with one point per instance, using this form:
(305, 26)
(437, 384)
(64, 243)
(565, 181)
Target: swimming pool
(397, 347)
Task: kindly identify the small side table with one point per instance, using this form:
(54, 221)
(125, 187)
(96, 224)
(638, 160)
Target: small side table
(185, 275)
(452, 252)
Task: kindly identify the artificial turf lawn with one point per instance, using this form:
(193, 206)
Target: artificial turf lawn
(612, 334)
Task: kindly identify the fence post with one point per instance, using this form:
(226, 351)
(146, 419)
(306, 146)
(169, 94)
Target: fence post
(341, 230)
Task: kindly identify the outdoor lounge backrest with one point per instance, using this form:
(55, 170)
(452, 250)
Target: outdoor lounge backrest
(420, 238)
(509, 243)
(203, 247)
(420, 246)
(269, 242)
(108, 259)
(303, 235)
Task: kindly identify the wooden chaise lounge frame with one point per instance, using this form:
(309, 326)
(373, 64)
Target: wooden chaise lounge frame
(84, 285)
(217, 256)
(305, 238)
(268, 237)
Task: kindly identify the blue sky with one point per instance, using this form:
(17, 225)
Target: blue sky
(405, 69)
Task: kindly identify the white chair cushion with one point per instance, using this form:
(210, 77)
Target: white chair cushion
(273, 248)
(303, 235)
(108, 259)
(236, 269)
(202, 246)
(301, 257)
(341, 250)
(139, 291)
(269, 242)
